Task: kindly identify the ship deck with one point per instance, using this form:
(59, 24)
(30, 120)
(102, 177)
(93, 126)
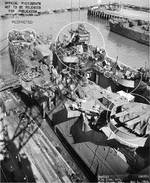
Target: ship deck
(98, 152)
(32, 61)
(93, 94)
(91, 146)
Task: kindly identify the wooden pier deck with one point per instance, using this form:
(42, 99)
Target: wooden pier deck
(38, 148)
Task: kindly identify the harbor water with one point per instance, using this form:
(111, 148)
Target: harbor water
(128, 51)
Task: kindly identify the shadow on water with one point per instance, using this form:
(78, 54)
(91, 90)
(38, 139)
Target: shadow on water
(16, 167)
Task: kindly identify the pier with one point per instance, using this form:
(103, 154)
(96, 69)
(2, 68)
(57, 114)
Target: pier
(104, 13)
(30, 139)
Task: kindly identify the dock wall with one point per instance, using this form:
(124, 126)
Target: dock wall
(103, 14)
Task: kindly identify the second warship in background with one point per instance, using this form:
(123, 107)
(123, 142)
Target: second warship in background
(137, 30)
(95, 122)
(31, 59)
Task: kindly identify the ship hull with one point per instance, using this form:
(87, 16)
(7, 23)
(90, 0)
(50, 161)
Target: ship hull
(130, 33)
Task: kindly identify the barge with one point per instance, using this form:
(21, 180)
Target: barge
(135, 30)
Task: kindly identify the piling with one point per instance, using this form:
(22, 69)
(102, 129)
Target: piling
(106, 14)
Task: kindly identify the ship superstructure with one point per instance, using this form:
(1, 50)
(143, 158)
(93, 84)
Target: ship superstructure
(105, 71)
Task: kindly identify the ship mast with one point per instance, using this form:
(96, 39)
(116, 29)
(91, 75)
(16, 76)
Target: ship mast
(71, 15)
(79, 10)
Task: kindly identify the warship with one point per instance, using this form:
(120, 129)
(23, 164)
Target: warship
(29, 149)
(74, 50)
(93, 121)
(31, 59)
(76, 59)
(137, 30)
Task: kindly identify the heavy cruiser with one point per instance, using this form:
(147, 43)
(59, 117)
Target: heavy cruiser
(97, 123)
